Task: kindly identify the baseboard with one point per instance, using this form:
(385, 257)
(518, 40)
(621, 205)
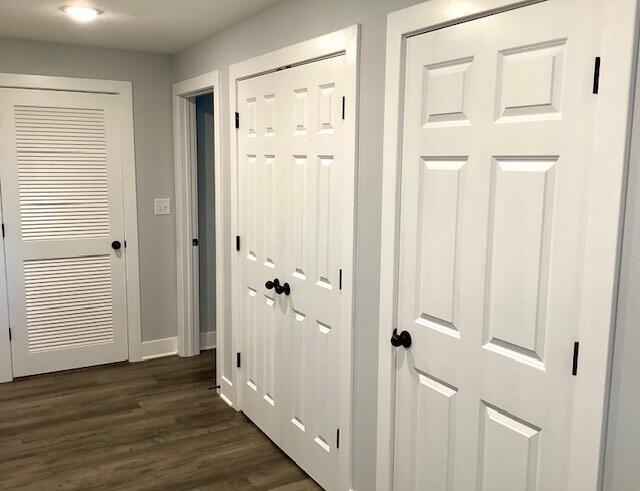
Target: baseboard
(158, 348)
(207, 340)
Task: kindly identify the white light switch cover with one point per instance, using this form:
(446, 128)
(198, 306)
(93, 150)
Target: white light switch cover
(162, 206)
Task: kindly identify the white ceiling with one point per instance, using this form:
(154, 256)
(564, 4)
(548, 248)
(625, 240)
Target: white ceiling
(159, 26)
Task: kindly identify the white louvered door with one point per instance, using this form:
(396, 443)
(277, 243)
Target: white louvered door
(60, 173)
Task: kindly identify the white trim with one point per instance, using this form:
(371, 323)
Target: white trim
(186, 209)
(124, 92)
(343, 41)
(207, 340)
(158, 348)
(599, 282)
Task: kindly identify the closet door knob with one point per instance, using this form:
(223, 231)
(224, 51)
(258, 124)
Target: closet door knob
(403, 339)
(115, 245)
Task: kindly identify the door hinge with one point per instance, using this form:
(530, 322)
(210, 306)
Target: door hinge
(237, 242)
(237, 120)
(338, 438)
(596, 75)
(194, 242)
(576, 350)
(343, 106)
(10, 336)
(238, 360)
(3, 229)
(340, 281)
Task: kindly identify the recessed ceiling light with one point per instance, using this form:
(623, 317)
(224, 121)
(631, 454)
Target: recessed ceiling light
(80, 13)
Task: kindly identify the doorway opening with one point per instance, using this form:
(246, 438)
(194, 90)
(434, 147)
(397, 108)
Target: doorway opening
(204, 226)
(198, 207)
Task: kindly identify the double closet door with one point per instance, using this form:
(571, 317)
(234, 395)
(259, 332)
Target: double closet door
(61, 187)
(292, 191)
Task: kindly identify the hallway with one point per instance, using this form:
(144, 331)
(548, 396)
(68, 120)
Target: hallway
(149, 425)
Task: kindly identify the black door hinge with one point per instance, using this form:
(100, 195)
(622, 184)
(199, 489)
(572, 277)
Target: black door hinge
(237, 242)
(343, 106)
(340, 281)
(338, 438)
(10, 334)
(596, 75)
(195, 242)
(237, 120)
(3, 229)
(576, 349)
(238, 360)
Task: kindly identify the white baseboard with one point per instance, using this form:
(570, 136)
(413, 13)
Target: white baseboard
(158, 348)
(207, 340)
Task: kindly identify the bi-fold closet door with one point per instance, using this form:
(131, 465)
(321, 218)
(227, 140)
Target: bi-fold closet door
(292, 197)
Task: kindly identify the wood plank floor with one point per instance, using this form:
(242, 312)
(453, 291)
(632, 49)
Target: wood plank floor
(149, 425)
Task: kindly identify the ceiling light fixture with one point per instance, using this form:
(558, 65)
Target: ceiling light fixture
(81, 14)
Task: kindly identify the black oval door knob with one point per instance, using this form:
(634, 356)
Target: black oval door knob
(269, 285)
(115, 245)
(403, 339)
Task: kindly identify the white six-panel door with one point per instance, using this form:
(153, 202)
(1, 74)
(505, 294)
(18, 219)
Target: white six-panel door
(60, 171)
(292, 199)
(498, 114)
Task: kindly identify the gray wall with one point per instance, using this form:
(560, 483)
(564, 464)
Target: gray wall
(206, 212)
(622, 457)
(290, 22)
(151, 77)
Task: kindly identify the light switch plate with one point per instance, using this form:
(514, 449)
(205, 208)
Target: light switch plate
(162, 206)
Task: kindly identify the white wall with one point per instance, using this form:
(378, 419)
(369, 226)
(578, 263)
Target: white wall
(151, 77)
(287, 23)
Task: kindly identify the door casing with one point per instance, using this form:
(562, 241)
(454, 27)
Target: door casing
(186, 210)
(344, 41)
(607, 186)
(124, 94)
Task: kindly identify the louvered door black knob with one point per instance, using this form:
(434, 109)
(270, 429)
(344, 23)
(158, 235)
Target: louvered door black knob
(269, 285)
(403, 339)
(115, 245)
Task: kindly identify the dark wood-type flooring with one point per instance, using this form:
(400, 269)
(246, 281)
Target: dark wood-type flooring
(148, 425)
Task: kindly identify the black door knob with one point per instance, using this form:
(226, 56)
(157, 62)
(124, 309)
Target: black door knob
(269, 285)
(115, 245)
(286, 289)
(403, 339)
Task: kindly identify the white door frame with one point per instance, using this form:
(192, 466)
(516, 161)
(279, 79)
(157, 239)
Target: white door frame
(124, 94)
(344, 41)
(606, 198)
(186, 209)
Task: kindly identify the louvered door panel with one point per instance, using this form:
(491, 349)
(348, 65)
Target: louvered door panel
(61, 189)
(69, 302)
(62, 172)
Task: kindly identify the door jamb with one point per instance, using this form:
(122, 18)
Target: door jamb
(185, 168)
(606, 198)
(342, 41)
(124, 92)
